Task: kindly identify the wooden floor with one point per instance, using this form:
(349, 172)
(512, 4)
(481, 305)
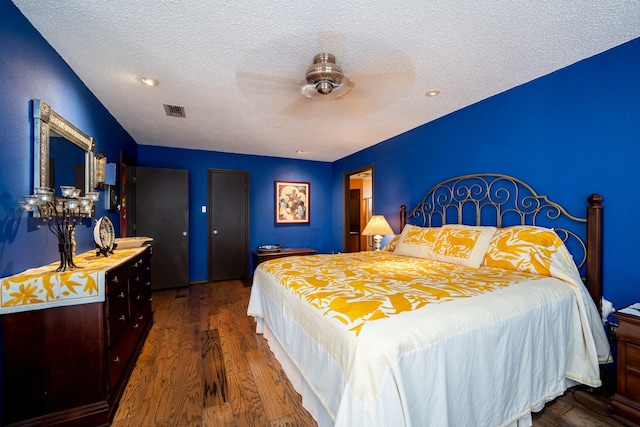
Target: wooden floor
(204, 365)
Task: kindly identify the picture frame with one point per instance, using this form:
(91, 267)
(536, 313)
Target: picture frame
(292, 202)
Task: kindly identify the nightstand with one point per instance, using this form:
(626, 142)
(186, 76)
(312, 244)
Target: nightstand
(259, 257)
(626, 402)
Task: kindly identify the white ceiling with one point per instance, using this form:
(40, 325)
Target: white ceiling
(233, 64)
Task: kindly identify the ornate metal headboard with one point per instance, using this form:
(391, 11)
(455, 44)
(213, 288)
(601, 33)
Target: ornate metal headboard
(502, 200)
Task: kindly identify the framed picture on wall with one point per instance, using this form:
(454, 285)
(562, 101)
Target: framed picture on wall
(292, 202)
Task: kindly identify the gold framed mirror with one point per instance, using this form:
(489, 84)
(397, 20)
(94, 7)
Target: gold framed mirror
(48, 124)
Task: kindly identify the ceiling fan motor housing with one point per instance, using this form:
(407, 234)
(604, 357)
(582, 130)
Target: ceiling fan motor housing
(324, 74)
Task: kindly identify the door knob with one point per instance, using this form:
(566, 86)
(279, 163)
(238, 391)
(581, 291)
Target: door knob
(184, 233)
(215, 231)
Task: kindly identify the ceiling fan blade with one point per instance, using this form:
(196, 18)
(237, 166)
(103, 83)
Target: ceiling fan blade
(376, 91)
(258, 78)
(305, 108)
(403, 77)
(352, 105)
(273, 89)
(297, 107)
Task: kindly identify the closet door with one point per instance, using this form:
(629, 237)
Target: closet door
(162, 212)
(228, 225)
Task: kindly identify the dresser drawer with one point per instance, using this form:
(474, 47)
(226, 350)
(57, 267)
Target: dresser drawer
(119, 354)
(136, 298)
(142, 316)
(116, 277)
(632, 371)
(117, 311)
(633, 356)
(626, 401)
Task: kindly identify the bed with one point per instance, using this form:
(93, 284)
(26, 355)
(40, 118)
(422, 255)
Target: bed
(476, 314)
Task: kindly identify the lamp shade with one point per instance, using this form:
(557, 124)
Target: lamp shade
(377, 226)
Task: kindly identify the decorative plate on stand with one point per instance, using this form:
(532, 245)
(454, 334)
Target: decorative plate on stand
(104, 235)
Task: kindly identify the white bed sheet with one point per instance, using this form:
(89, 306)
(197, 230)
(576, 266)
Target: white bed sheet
(485, 361)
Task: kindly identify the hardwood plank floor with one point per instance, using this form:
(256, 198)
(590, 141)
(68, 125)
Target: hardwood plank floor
(204, 365)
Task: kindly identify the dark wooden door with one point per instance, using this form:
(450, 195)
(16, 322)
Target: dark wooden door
(354, 220)
(228, 225)
(162, 212)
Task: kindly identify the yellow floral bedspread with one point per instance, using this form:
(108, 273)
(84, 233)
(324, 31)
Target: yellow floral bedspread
(359, 288)
(364, 332)
(43, 287)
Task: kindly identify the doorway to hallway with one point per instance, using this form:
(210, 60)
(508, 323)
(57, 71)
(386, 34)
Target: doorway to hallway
(358, 208)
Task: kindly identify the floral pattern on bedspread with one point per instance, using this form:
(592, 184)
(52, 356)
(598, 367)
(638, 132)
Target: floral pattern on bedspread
(363, 287)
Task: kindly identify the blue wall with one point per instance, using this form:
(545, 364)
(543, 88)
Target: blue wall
(31, 69)
(569, 134)
(263, 171)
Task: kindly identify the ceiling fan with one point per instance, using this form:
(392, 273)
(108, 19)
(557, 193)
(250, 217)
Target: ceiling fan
(325, 79)
(369, 88)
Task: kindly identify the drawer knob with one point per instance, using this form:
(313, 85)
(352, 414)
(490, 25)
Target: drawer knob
(150, 299)
(116, 360)
(115, 279)
(141, 317)
(121, 295)
(136, 326)
(138, 296)
(123, 318)
(148, 284)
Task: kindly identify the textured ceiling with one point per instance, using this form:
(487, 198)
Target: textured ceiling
(233, 65)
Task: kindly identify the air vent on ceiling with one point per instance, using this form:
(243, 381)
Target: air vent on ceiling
(174, 110)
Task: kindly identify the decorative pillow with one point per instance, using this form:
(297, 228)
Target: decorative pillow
(523, 248)
(463, 244)
(391, 245)
(416, 241)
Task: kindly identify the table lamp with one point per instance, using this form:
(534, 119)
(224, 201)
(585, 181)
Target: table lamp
(377, 227)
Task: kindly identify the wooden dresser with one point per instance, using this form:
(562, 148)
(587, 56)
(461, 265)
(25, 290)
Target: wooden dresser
(69, 365)
(626, 401)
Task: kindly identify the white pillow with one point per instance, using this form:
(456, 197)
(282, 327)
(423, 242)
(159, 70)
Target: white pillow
(462, 244)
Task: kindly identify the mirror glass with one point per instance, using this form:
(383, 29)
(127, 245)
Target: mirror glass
(66, 164)
(63, 154)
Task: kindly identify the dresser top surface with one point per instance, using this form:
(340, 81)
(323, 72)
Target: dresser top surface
(43, 287)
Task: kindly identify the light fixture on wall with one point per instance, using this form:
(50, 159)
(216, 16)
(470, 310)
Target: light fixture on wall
(61, 214)
(377, 227)
(101, 170)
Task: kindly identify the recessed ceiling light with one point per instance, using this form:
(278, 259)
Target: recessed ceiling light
(432, 93)
(299, 151)
(149, 81)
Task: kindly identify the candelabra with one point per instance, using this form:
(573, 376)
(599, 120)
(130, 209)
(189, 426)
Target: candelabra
(61, 215)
